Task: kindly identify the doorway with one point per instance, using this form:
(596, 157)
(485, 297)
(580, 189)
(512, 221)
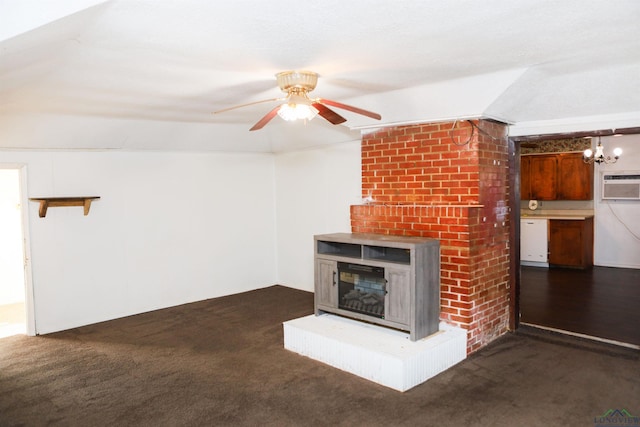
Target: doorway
(14, 301)
(594, 302)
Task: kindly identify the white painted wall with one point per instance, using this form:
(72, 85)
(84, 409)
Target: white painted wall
(170, 228)
(315, 189)
(617, 229)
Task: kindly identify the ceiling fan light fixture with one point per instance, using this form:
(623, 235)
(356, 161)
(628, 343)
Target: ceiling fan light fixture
(297, 80)
(292, 111)
(298, 105)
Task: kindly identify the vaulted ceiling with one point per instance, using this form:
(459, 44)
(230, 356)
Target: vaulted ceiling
(147, 74)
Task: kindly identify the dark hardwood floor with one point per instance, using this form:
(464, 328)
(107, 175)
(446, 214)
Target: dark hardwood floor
(601, 302)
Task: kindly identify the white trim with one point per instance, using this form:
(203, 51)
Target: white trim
(29, 302)
(375, 127)
(576, 124)
(589, 337)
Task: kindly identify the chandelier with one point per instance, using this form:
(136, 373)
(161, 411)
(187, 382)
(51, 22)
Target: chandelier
(598, 157)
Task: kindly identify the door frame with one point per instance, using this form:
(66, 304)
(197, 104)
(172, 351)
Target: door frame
(514, 232)
(29, 297)
(514, 151)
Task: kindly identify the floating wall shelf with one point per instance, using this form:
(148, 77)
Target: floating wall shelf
(46, 202)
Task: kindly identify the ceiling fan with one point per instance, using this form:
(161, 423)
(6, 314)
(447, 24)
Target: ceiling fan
(298, 105)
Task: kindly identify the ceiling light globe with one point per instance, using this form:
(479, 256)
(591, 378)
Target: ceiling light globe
(292, 111)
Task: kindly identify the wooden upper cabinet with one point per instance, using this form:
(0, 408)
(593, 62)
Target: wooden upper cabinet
(575, 177)
(560, 176)
(525, 181)
(538, 177)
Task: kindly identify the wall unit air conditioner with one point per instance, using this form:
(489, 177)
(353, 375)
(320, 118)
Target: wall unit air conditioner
(621, 185)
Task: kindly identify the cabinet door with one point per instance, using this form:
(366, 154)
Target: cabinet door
(542, 177)
(525, 178)
(398, 304)
(571, 243)
(326, 287)
(575, 178)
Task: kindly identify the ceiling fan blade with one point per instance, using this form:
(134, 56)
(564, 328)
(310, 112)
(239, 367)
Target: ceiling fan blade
(248, 104)
(349, 108)
(328, 114)
(266, 119)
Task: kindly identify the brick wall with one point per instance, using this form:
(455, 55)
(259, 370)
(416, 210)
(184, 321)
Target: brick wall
(447, 181)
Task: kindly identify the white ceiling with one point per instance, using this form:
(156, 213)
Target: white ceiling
(147, 74)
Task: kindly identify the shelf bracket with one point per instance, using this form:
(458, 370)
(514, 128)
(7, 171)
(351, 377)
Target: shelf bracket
(46, 202)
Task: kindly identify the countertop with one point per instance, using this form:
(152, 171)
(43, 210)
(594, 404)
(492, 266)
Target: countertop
(556, 214)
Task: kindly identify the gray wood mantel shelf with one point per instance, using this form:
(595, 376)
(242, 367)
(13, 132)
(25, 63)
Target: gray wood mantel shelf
(47, 202)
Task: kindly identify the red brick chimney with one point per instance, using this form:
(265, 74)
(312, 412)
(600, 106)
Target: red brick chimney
(447, 181)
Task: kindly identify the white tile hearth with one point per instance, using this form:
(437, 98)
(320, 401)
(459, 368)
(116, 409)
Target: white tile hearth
(382, 355)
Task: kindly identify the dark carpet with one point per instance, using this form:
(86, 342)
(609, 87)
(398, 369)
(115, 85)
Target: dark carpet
(221, 362)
